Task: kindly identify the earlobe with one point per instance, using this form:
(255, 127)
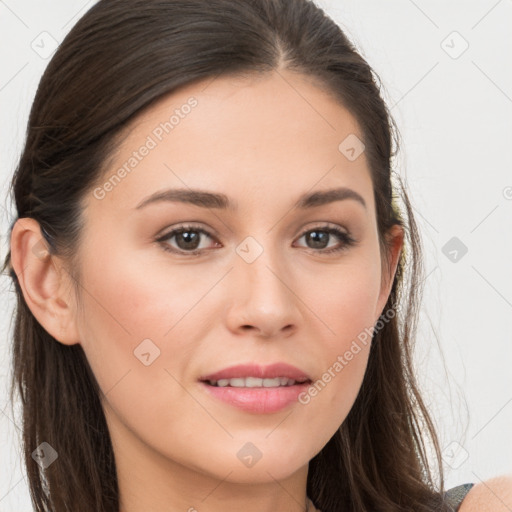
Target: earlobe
(43, 281)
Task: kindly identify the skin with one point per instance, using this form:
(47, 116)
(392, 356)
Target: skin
(494, 495)
(263, 141)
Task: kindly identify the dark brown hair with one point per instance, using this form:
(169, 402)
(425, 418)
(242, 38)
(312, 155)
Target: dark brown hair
(121, 57)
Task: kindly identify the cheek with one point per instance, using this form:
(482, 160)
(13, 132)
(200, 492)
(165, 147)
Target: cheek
(130, 298)
(135, 323)
(346, 302)
(132, 317)
(345, 307)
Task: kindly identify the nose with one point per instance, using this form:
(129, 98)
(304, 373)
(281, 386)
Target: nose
(262, 297)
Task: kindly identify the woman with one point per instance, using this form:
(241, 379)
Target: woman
(209, 263)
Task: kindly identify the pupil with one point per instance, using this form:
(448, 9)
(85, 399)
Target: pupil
(316, 235)
(191, 241)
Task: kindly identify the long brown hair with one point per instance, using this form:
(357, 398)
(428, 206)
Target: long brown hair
(118, 59)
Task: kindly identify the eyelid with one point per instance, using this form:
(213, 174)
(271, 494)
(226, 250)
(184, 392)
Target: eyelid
(188, 226)
(333, 229)
(343, 234)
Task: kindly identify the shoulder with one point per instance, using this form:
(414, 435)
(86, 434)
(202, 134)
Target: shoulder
(494, 495)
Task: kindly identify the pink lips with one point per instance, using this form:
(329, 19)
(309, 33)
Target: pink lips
(258, 399)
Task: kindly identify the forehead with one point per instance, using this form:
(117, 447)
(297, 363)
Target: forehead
(261, 136)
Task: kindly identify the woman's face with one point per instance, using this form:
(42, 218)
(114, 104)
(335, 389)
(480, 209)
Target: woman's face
(251, 283)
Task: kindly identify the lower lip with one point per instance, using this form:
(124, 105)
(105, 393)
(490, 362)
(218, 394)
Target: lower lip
(258, 400)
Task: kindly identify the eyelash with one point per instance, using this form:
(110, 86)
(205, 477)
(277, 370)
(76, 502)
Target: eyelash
(347, 240)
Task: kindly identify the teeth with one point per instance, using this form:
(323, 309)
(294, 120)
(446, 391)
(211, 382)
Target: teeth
(253, 382)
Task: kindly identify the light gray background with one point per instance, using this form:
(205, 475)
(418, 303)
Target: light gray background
(454, 111)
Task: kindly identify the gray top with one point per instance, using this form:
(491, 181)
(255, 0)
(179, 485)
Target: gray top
(456, 495)
(453, 496)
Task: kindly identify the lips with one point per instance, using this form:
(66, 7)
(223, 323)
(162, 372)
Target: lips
(262, 372)
(239, 386)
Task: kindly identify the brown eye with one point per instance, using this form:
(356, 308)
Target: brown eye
(187, 239)
(318, 239)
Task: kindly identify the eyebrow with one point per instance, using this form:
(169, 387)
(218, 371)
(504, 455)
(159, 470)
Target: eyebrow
(207, 199)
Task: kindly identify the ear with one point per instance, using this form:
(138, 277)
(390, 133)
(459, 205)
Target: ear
(45, 284)
(395, 238)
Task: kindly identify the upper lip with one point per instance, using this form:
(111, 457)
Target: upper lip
(263, 372)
